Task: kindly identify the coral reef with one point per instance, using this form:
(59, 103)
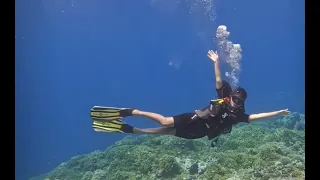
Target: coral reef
(249, 152)
(292, 121)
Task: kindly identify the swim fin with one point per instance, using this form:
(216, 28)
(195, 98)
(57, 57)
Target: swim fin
(110, 113)
(115, 126)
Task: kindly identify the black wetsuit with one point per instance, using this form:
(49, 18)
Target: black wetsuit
(193, 129)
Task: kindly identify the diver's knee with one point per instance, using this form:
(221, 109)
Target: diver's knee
(167, 122)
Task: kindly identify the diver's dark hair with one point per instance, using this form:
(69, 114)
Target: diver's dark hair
(226, 85)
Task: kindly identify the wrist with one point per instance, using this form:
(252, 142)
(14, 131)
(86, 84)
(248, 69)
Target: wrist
(278, 112)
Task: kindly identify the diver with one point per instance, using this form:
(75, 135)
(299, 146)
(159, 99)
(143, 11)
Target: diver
(211, 121)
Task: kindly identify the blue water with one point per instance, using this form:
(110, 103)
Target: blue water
(74, 54)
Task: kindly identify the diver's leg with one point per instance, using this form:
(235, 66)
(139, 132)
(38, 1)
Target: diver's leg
(164, 121)
(160, 130)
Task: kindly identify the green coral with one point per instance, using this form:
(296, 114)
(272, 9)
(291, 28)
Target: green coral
(249, 152)
(168, 167)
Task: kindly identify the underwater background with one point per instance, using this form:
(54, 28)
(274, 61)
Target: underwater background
(152, 54)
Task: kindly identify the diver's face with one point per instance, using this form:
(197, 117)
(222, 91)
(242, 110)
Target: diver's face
(236, 101)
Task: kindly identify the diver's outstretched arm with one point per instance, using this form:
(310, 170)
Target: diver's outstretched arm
(215, 58)
(258, 116)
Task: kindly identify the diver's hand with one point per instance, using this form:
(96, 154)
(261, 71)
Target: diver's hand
(283, 112)
(253, 117)
(213, 56)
